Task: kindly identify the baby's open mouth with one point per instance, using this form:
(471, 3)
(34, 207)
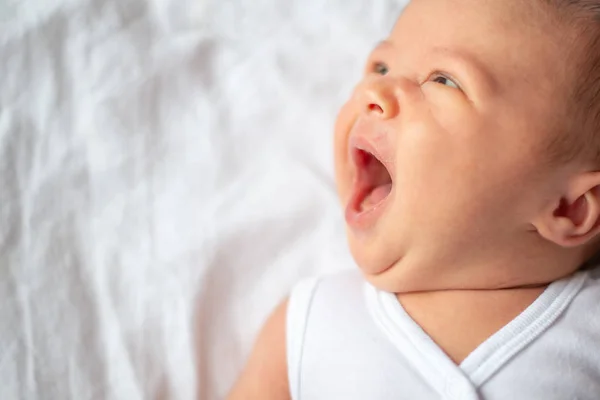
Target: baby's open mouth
(372, 184)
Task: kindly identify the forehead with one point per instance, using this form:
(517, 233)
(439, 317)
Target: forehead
(518, 42)
(464, 17)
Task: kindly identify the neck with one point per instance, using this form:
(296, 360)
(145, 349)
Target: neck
(532, 262)
(443, 315)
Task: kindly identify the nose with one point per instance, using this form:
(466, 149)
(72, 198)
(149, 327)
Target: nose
(379, 98)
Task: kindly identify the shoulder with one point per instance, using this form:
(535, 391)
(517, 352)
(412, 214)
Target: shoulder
(272, 367)
(265, 374)
(343, 284)
(324, 298)
(335, 290)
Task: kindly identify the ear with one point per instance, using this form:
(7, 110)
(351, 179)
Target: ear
(575, 218)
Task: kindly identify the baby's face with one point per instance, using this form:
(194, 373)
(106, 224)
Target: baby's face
(441, 150)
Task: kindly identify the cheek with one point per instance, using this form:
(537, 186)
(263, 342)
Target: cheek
(451, 185)
(439, 176)
(426, 156)
(449, 108)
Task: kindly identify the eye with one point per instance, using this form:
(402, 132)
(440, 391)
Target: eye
(444, 80)
(381, 68)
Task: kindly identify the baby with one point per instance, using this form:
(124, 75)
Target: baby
(468, 163)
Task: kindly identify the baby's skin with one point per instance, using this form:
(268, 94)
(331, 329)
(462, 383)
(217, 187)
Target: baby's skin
(452, 199)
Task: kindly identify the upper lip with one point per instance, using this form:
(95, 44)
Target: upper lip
(360, 142)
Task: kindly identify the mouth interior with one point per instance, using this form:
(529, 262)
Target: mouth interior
(373, 181)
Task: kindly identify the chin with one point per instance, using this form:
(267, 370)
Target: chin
(384, 275)
(401, 276)
(383, 283)
(367, 255)
(396, 279)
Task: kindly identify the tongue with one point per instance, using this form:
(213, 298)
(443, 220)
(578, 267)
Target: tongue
(376, 196)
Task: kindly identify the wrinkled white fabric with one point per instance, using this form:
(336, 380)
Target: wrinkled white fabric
(165, 178)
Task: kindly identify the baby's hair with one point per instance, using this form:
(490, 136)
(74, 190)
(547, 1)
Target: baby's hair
(585, 141)
(583, 137)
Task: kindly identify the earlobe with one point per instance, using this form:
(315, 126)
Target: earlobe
(575, 220)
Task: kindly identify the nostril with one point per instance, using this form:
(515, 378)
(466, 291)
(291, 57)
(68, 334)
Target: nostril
(376, 108)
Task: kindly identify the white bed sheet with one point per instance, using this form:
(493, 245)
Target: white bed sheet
(165, 177)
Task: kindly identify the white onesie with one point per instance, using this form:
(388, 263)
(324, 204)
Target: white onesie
(347, 340)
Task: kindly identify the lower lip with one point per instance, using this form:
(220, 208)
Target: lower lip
(365, 219)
